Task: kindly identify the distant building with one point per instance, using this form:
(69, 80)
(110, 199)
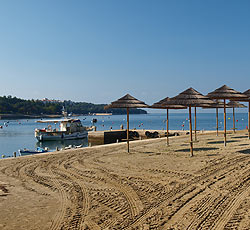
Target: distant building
(46, 100)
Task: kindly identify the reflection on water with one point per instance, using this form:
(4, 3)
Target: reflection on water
(52, 145)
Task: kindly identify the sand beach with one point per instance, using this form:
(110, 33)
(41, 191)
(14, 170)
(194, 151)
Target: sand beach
(154, 187)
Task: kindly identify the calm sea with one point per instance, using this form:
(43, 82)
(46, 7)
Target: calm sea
(19, 134)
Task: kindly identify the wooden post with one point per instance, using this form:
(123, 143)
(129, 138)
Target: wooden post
(225, 124)
(217, 122)
(195, 137)
(249, 120)
(190, 128)
(128, 128)
(167, 129)
(233, 120)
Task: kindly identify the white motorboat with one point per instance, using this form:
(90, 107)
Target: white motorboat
(69, 129)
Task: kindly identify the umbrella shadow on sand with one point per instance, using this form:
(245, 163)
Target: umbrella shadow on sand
(219, 142)
(238, 137)
(145, 152)
(245, 151)
(196, 149)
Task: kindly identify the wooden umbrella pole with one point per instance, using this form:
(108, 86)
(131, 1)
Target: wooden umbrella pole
(233, 120)
(217, 122)
(225, 126)
(195, 137)
(128, 128)
(167, 129)
(249, 120)
(190, 129)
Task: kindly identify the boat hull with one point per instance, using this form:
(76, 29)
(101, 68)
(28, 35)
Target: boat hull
(61, 136)
(25, 152)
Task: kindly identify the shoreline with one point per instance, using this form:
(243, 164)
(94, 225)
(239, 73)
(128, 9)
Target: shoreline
(98, 141)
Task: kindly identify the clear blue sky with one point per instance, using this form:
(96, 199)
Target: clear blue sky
(97, 51)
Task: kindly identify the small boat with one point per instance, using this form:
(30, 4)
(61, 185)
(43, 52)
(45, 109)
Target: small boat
(24, 152)
(69, 129)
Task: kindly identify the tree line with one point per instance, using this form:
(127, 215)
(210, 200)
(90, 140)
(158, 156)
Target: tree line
(14, 105)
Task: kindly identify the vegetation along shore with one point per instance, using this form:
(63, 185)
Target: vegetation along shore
(16, 108)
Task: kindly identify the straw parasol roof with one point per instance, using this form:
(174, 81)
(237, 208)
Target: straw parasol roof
(163, 104)
(247, 94)
(235, 104)
(190, 97)
(225, 92)
(216, 105)
(127, 102)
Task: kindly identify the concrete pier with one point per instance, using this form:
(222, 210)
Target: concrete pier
(114, 136)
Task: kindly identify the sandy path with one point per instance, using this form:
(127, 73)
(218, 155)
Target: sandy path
(154, 187)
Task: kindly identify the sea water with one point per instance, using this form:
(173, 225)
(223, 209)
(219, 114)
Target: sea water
(19, 134)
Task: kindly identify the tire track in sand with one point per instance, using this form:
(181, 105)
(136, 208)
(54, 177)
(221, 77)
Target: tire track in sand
(203, 179)
(58, 219)
(86, 201)
(229, 211)
(132, 198)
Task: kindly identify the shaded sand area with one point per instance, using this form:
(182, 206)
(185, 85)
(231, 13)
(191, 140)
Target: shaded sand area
(154, 187)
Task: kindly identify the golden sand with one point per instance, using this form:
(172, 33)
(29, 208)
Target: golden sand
(153, 187)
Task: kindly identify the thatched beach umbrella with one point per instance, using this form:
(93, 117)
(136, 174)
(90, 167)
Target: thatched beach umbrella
(218, 105)
(225, 93)
(195, 118)
(190, 98)
(127, 102)
(233, 105)
(247, 94)
(163, 104)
